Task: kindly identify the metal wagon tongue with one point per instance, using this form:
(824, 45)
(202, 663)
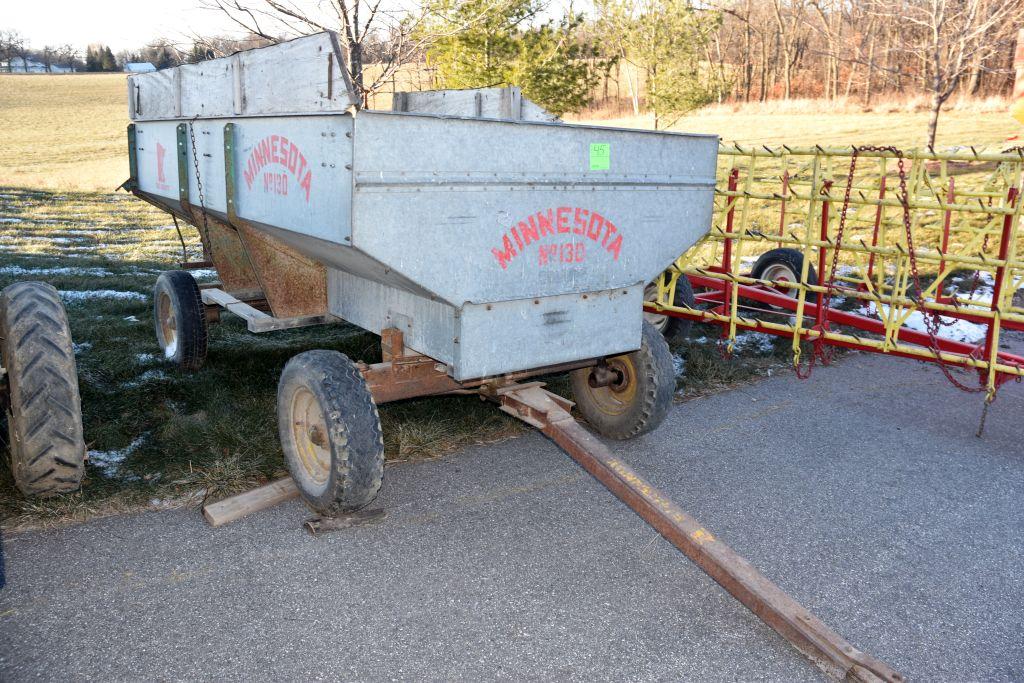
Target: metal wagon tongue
(827, 649)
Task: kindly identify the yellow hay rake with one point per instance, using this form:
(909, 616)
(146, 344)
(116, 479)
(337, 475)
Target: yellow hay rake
(914, 254)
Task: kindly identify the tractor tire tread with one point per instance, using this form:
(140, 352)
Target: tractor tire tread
(44, 416)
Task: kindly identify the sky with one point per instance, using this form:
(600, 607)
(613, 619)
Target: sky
(121, 24)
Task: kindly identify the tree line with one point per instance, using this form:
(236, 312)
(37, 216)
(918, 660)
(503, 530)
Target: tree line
(670, 56)
(676, 55)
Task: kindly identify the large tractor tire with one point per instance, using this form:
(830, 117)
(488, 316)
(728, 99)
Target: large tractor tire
(40, 391)
(628, 395)
(179, 316)
(330, 432)
(674, 330)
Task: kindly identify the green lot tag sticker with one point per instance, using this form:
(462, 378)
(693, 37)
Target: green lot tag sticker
(600, 156)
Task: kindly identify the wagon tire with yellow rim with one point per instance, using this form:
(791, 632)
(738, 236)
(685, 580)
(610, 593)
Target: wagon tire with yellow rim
(330, 432)
(675, 330)
(179, 316)
(625, 396)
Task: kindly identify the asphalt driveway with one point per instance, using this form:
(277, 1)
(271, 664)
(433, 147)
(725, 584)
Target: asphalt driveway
(863, 492)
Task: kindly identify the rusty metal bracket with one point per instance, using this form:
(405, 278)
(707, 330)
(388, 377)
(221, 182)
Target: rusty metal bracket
(823, 646)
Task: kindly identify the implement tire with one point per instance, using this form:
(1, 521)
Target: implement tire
(330, 432)
(638, 398)
(674, 330)
(179, 317)
(785, 265)
(43, 406)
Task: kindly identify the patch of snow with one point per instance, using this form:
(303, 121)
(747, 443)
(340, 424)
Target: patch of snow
(21, 272)
(62, 240)
(109, 462)
(11, 220)
(678, 364)
(146, 377)
(131, 318)
(82, 348)
(74, 296)
(952, 328)
(204, 273)
(144, 358)
(759, 342)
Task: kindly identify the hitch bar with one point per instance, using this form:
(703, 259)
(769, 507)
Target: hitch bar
(808, 634)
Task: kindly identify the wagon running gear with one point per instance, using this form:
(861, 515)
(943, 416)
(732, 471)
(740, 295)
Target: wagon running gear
(179, 316)
(330, 432)
(628, 395)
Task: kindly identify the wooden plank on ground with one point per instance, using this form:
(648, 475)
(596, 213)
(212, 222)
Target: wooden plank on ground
(236, 507)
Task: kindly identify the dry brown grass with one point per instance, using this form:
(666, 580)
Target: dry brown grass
(64, 131)
(68, 132)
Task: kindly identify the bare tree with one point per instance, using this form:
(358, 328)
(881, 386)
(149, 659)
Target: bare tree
(12, 46)
(362, 25)
(956, 36)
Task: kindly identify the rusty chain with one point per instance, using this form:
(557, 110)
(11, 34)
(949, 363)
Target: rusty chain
(932, 319)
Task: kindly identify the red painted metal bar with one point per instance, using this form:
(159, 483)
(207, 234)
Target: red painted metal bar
(877, 227)
(782, 210)
(826, 187)
(946, 222)
(711, 289)
(997, 288)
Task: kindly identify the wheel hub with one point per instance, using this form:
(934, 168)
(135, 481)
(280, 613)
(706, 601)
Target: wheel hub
(613, 384)
(168, 324)
(309, 432)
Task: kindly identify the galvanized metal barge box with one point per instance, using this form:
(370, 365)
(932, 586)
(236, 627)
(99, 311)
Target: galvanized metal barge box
(494, 245)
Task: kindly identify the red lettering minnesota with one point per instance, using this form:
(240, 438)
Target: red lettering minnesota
(280, 151)
(563, 220)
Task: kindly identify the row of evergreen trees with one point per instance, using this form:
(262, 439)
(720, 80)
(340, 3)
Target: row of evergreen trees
(100, 58)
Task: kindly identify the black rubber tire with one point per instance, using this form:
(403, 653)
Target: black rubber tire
(354, 440)
(177, 289)
(675, 330)
(789, 258)
(646, 406)
(44, 408)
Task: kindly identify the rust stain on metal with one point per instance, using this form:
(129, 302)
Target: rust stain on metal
(293, 284)
(228, 255)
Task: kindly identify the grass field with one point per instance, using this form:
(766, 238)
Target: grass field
(68, 132)
(157, 437)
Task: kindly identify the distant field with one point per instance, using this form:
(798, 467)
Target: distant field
(68, 132)
(903, 129)
(63, 131)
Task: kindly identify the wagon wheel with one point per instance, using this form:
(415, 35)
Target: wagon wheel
(673, 329)
(784, 265)
(627, 395)
(179, 316)
(39, 391)
(330, 432)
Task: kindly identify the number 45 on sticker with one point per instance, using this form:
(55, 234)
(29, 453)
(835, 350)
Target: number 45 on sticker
(600, 156)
